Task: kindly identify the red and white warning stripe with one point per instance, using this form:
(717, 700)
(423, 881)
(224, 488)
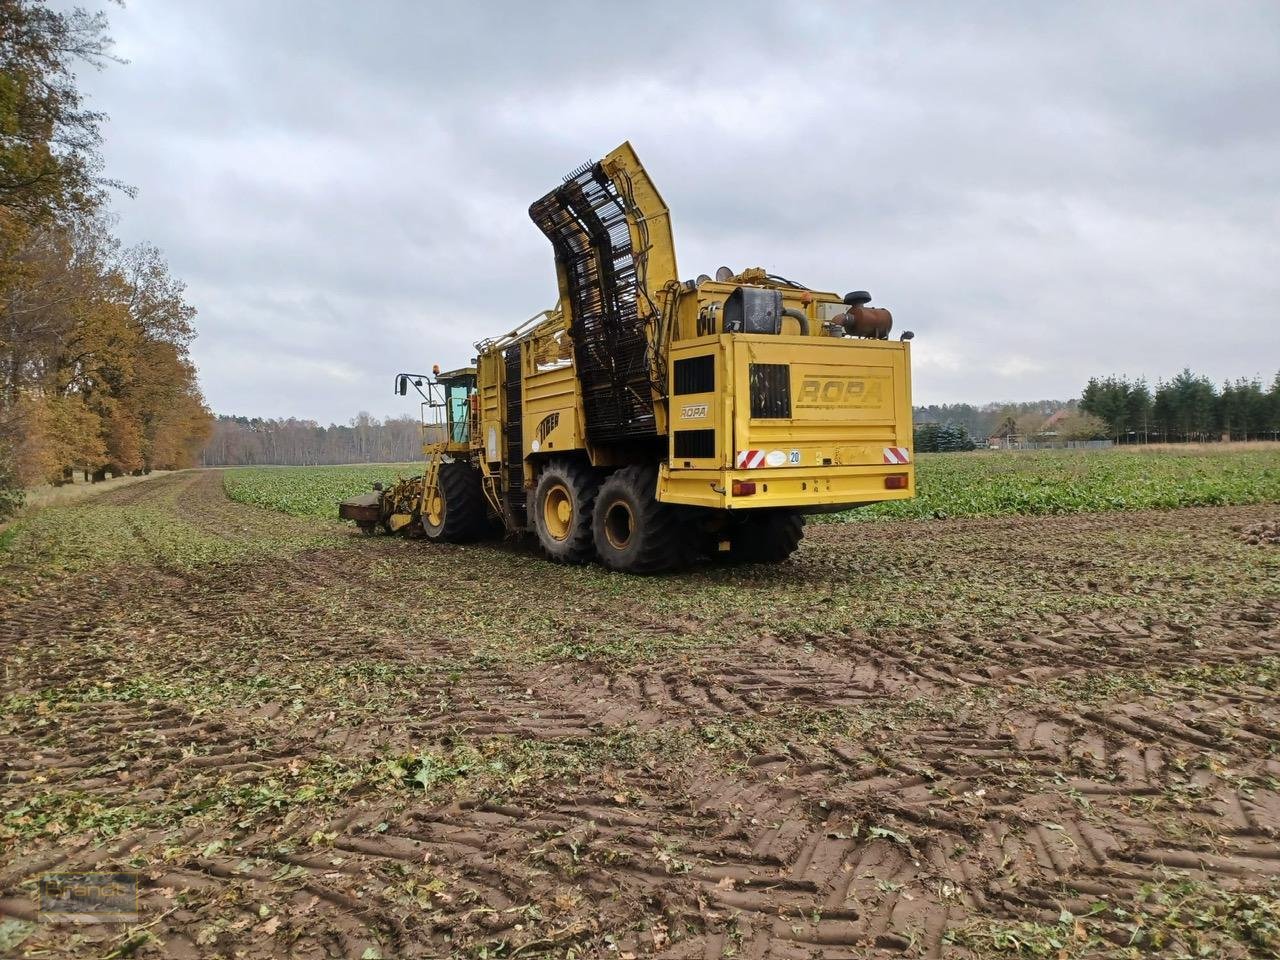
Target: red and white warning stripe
(750, 459)
(896, 455)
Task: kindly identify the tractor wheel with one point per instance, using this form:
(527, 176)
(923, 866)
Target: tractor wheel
(766, 537)
(562, 507)
(456, 514)
(635, 533)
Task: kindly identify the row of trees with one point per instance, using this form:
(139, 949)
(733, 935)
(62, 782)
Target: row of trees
(240, 441)
(94, 364)
(945, 428)
(1187, 408)
(988, 420)
(942, 438)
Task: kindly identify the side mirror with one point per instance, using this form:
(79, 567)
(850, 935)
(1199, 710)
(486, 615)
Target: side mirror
(402, 385)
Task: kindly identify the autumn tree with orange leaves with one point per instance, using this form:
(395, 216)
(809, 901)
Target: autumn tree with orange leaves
(95, 372)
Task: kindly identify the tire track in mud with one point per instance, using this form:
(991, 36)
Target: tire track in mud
(811, 670)
(264, 609)
(1011, 806)
(204, 611)
(766, 859)
(1065, 856)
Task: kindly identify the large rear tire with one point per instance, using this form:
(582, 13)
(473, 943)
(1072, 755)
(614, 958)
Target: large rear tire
(563, 503)
(767, 536)
(457, 513)
(633, 532)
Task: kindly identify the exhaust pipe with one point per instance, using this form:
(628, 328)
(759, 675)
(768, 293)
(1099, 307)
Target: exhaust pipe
(799, 318)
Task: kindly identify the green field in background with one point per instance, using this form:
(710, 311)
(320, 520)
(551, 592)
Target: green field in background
(978, 484)
(310, 491)
(993, 483)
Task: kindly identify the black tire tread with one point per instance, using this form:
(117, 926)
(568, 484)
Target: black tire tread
(466, 512)
(768, 537)
(665, 541)
(584, 484)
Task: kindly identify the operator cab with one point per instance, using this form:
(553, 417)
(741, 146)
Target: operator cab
(457, 387)
(448, 397)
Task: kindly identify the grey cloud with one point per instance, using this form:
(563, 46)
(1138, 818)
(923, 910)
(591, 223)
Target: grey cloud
(1042, 192)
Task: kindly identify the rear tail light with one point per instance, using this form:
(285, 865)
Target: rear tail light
(895, 481)
(744, 488)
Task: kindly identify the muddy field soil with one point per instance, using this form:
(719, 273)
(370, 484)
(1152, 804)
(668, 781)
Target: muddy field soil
(1018, 737)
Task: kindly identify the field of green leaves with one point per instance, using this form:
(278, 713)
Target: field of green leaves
(310, 491)
(993, 483)
(981, 484)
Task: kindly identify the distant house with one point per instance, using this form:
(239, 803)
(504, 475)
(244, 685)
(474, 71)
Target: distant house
(1050, 427)
(1044, 435)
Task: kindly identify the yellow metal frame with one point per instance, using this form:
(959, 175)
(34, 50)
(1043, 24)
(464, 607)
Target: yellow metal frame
(850, 398)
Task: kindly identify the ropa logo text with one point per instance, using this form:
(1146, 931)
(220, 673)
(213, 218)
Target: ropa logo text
(840, 392)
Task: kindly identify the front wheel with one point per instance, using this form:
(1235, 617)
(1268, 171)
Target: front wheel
(633, 532)
(455, 511)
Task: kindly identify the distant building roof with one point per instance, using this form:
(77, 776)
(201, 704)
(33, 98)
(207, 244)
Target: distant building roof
(1057, 418)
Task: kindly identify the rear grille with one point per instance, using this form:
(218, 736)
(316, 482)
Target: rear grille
(770, 391)
(586, 222)
(695, 443)
(695, 374)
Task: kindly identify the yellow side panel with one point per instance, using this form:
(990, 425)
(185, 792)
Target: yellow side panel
(489, 376)
(551, 411)
(698, 411)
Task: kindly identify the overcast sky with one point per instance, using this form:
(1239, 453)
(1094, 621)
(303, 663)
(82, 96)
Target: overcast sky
(1040, 191)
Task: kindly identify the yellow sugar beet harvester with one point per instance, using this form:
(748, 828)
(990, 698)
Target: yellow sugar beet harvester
(647, 420)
